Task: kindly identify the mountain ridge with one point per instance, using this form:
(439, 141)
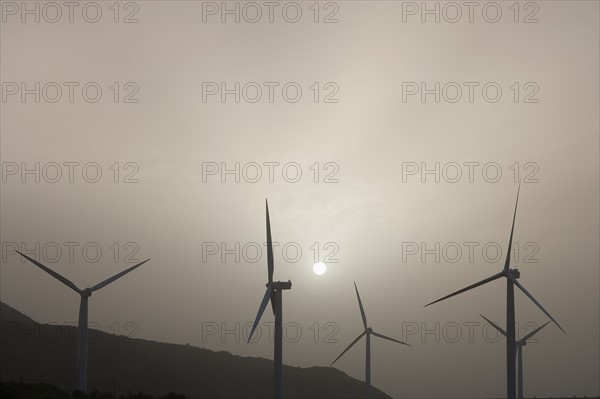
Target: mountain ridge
(155, 367)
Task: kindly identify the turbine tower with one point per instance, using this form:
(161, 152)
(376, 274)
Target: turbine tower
(82, 335)
(368, 332)
(511, 276)
(520, 344)
(274, 293)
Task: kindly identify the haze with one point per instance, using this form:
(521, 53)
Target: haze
(372, 215)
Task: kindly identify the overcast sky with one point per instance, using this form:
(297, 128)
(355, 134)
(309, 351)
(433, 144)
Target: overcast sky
(346, 102)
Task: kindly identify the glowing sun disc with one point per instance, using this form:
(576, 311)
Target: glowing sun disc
(319, 268)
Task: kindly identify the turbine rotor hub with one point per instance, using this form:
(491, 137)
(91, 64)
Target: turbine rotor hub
(515, 273)
(87, 293)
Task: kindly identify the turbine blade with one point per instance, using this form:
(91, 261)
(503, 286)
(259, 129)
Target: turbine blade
(494, 324)
(51, 272)
(261, 310)
(539, 305)
(531, 334)
(507, 263)
(349, 346)
(388, 338)
(116, 276)
(362, 311)
(270, 262)
(482, 282)
(273, 301)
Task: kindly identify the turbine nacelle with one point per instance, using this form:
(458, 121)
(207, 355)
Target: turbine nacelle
(281, 285)
(514, 272)
(86, 292)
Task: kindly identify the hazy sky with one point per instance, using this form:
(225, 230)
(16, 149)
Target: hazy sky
(368, 130)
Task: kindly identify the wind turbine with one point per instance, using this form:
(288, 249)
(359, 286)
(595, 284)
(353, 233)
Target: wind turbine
(511, 276)
(368, 331)
(82, 336)
(520, 344)
(275, 295)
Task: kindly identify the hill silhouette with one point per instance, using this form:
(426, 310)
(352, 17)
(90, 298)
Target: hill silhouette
(22, 390)
(43, 353)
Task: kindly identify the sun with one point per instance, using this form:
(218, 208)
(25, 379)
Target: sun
(319, 268)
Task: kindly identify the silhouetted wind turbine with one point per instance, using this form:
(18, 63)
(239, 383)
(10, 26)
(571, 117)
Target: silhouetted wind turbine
(511, 276)
(82, 336)
(275, 295)
(368, 331)
(520, 344)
